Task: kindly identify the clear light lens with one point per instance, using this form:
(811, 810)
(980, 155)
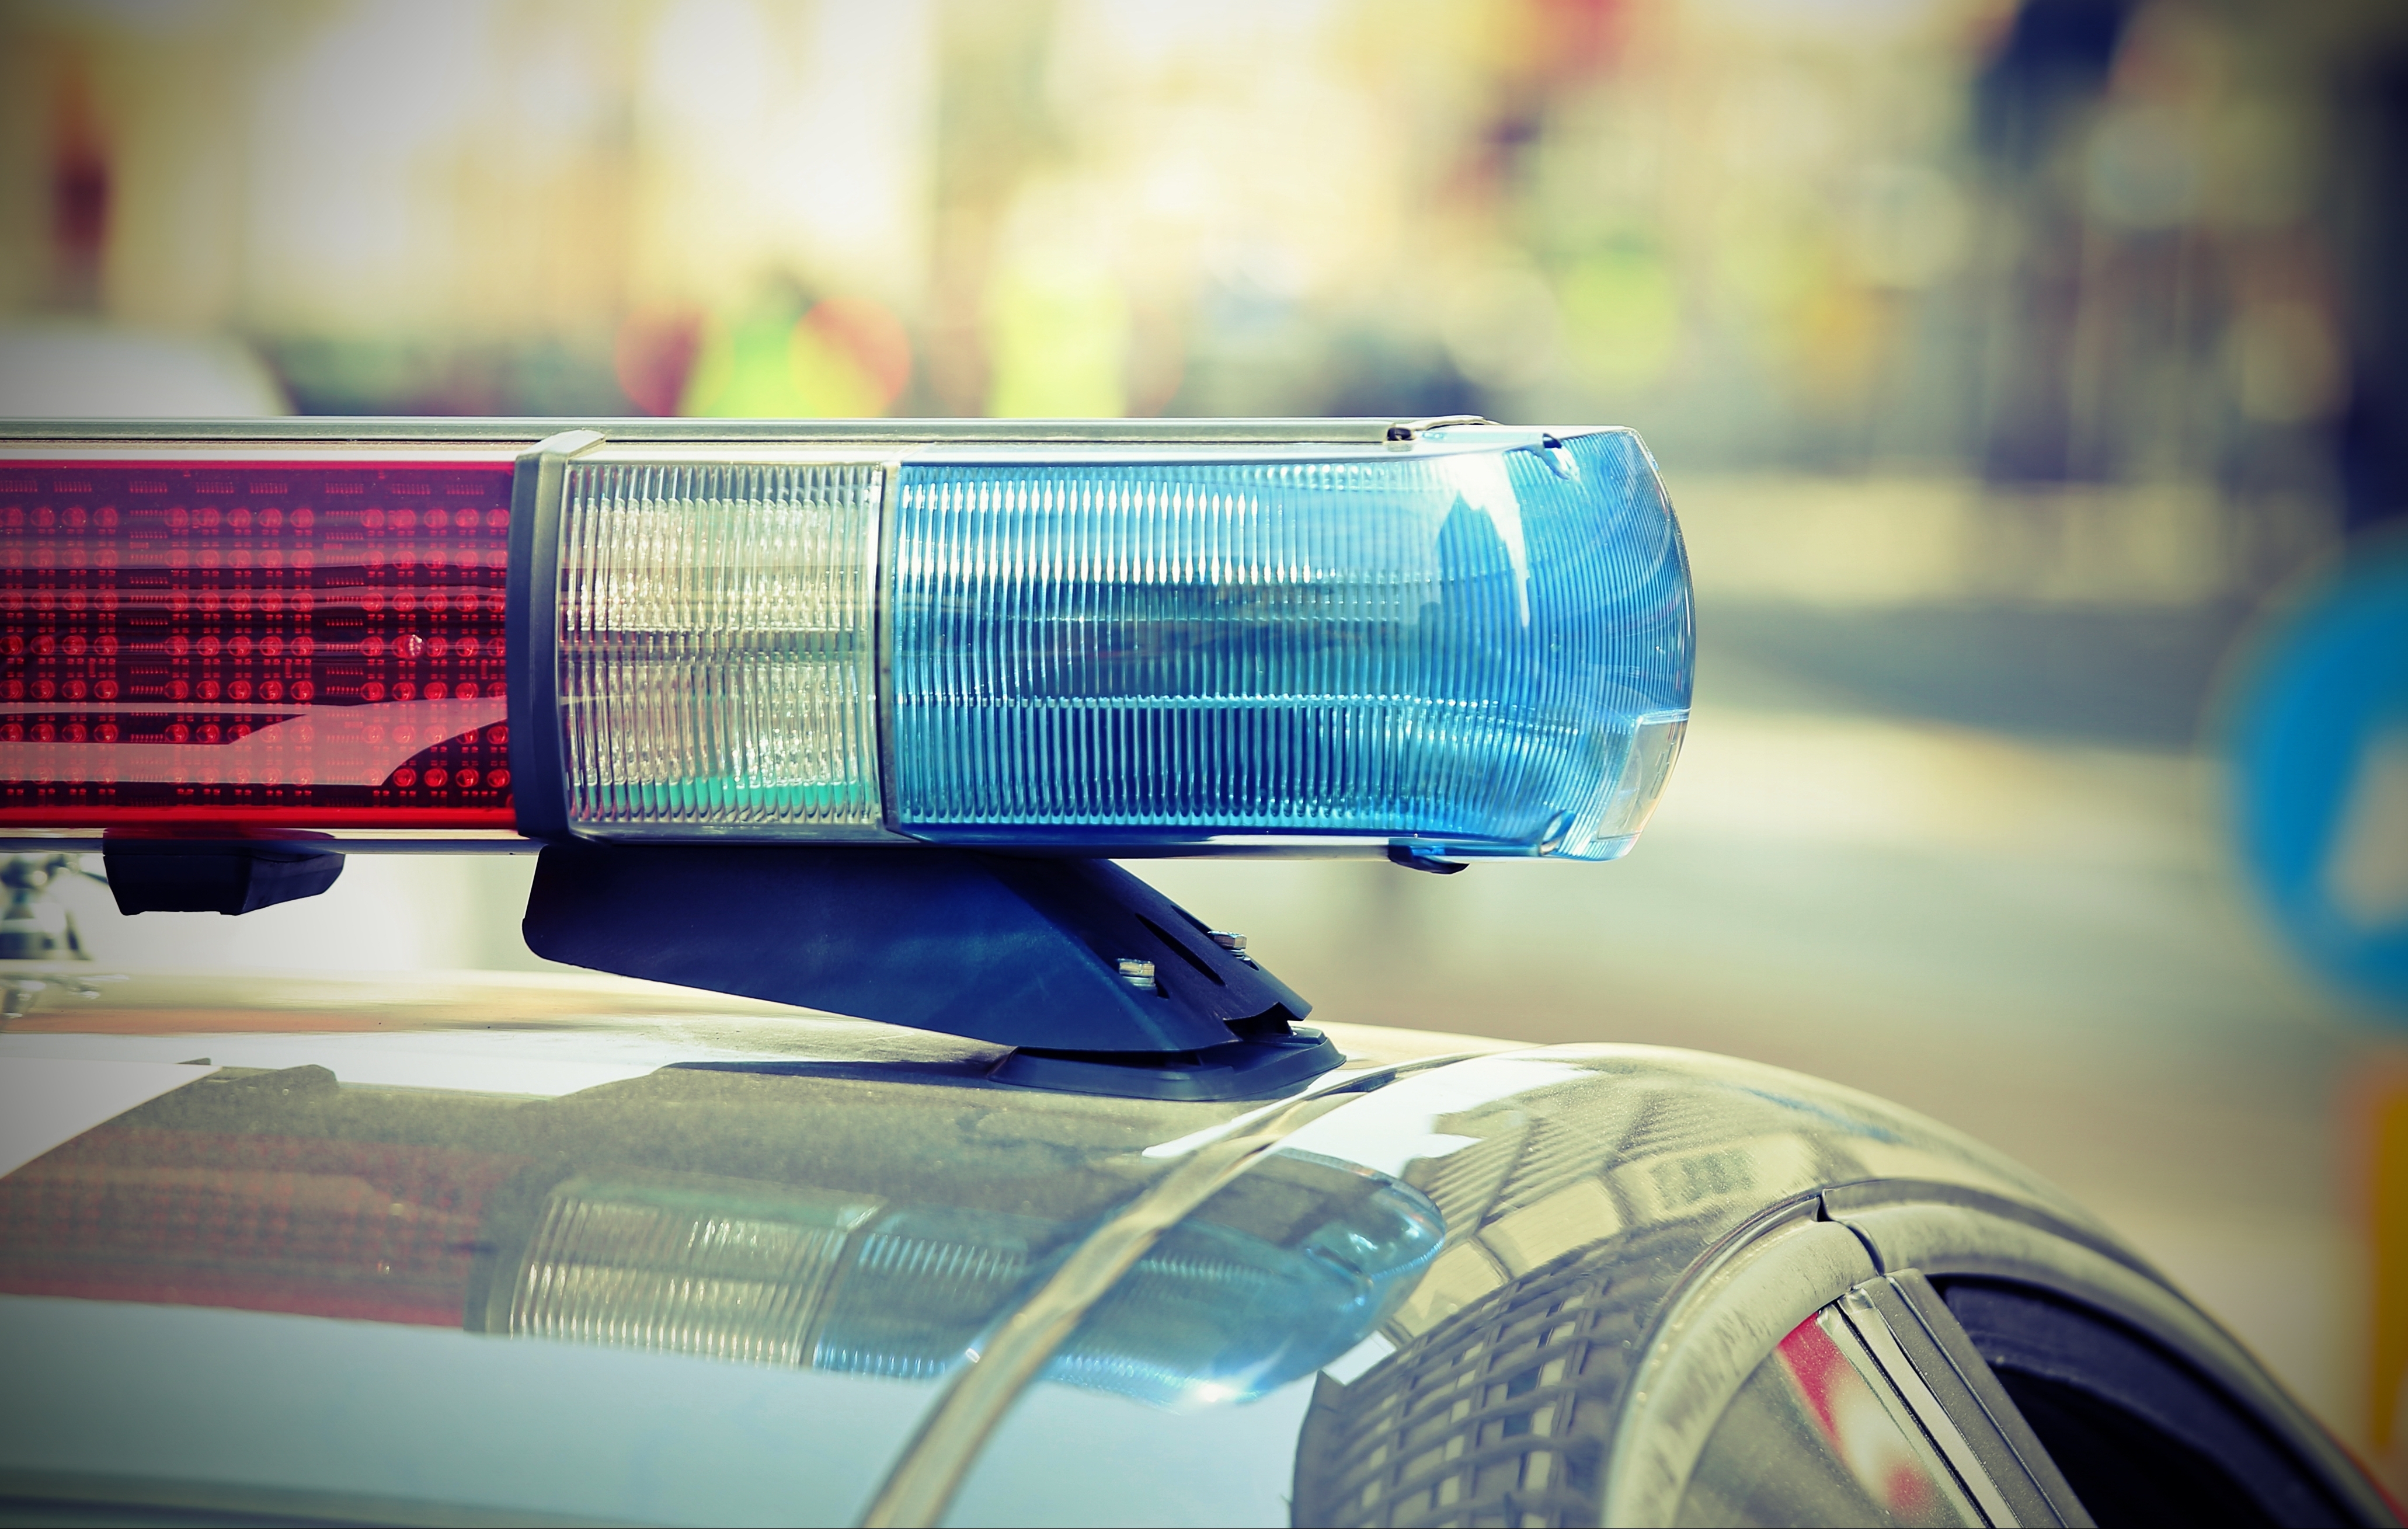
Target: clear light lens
(717, 661)
(1475, 646)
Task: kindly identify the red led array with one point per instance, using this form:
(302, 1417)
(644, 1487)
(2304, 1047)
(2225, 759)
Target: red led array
(254, 644)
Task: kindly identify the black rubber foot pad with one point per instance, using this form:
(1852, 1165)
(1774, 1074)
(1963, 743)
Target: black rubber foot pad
(1242, 1069)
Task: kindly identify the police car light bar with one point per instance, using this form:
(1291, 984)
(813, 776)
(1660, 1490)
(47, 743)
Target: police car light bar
(847, 714)
(1329, 636)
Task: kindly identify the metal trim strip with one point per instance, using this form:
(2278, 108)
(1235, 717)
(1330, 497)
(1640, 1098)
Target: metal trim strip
(1738, 1305)
(531, 594)
(1872, 1328)
(527, 431)
(882, 618)
(921, 1484)
(1953, 1355)
(1970, 1240)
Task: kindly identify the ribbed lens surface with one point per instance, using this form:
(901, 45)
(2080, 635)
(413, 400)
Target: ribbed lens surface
(1459, 646)
(650, 1268)
(716, 660)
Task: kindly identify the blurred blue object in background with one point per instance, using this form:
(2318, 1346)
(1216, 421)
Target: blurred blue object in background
(2319, 748)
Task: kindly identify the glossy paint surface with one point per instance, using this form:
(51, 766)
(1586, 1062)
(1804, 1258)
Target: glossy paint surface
(596, 1214)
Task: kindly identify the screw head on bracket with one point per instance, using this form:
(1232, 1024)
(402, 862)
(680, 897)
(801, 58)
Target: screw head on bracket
(1234, 944)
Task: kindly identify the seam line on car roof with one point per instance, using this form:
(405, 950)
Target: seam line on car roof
(921, 1485)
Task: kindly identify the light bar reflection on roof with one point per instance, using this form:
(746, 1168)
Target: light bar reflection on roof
(1290, 1266)
(775, 1275)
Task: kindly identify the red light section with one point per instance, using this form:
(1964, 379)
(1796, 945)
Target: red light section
(254, 644)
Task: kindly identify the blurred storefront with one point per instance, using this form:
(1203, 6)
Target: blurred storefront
(2064, 241)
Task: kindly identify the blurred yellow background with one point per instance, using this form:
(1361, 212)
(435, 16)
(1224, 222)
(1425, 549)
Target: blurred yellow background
(2006, 359)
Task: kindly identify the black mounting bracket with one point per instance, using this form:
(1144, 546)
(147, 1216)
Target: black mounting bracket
(1106, 985)
(174, 876)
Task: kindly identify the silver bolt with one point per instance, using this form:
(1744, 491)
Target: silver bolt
(1229, 941)
(1136, 972)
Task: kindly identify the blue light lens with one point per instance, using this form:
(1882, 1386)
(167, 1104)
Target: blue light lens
(1478, 645)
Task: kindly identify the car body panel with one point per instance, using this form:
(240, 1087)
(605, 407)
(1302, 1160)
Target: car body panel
(574, 1247)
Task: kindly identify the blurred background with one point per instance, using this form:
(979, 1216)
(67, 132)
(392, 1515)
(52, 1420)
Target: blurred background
(2017, 365)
